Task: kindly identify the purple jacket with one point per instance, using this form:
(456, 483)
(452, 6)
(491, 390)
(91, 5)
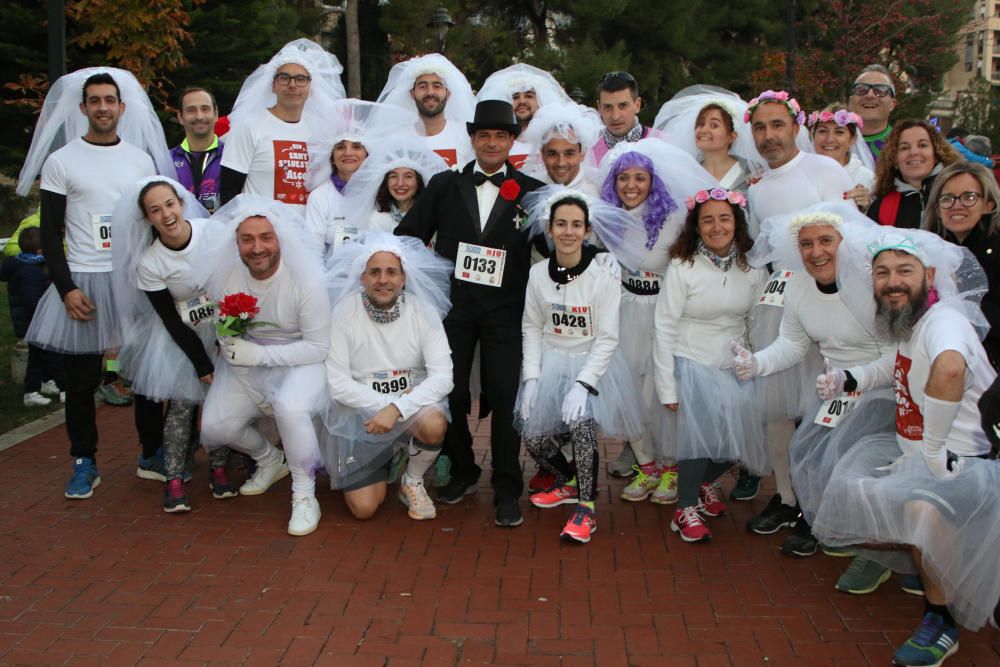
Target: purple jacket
(203, 180)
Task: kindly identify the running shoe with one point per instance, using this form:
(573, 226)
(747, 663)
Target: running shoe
(580, 527)
(84, 480)
(711, 500)
(775, 516)
(746, 488)
(689, 523)
(174, 498)
(641, 487)
(555, 496)
(862, 576)
(933, 642)
(419, 504)
(666, 490)
(220, 484)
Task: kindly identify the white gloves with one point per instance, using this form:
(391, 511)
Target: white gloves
(574, 404)
(239, 352)
(938, 419)
(830, 383)
(744, 363)
(528, 390)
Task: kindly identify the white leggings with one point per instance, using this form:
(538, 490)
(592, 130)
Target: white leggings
(292, 395)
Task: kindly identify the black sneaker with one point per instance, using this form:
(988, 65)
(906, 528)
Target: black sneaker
(801, 542)
(456, 489)
(174, 498)
(508, 513)
(775, 516)
(746, 486)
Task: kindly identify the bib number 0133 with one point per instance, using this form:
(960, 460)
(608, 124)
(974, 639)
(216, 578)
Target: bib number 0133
(480, 264)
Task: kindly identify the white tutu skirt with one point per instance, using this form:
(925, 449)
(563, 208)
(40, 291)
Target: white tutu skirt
(784, 395)
(52, 329)
(715, 418)
(158, 368)
(616, 409)
(350, 453)
(635, 342)
(954, 523)
(815, 450)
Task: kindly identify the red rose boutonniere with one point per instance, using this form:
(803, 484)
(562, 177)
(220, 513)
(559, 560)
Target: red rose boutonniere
(509, 189)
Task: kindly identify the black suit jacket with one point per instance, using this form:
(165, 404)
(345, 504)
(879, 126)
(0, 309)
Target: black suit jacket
(448, 207)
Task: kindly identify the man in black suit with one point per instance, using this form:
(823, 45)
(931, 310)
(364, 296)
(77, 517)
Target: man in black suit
(478, 220)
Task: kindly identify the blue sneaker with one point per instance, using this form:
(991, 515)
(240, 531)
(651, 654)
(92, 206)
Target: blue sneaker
(912, 584)
(152, 467)
(84, 480)
(931, 644)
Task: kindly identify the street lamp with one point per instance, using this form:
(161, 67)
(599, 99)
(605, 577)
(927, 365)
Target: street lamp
(440, 22)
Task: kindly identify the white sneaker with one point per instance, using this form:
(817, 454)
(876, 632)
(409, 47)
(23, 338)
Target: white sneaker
(50, 388)
(263, 477)
(415, 497)
(305, 515)
(35, 400)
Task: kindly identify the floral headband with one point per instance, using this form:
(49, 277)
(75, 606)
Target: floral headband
(842, 117)
(776, 96)
(718, 194)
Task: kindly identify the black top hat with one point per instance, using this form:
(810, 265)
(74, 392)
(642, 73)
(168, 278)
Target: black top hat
(494, 115)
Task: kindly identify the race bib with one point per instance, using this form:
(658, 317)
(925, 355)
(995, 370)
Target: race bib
(773, 293)
(342, 234)
(570, 321)
(642, 282)
(479, 264)
(196, 311)
(100, 225)
(390, 382)
(833, 411)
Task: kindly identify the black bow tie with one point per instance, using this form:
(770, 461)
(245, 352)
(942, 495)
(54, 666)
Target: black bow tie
(496, 179)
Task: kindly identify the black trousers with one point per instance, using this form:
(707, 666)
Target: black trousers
(43, 365)
(83, 377)
(149, 417)
(498, 332)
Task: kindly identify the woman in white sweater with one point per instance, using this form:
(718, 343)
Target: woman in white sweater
(573, 379)
(709, 291)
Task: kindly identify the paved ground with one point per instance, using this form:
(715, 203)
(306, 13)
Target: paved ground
(115, 581)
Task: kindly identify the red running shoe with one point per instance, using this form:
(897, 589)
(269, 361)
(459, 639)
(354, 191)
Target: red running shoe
(580, 526)
(691, 526)
(711, 499)
(555, 496)
(542, 481)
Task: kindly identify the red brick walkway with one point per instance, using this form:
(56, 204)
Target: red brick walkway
(115, 581)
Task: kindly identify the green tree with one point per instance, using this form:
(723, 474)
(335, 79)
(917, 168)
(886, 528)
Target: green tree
(978, 110)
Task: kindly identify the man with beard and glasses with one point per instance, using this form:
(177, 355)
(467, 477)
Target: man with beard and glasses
(443, 98)
(924, 496)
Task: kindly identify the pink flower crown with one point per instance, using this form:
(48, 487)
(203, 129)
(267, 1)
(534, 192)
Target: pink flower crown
(776, 96)
(841, 117)
(718, 194)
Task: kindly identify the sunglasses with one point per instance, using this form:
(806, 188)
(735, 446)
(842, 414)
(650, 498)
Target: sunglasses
(880, 89)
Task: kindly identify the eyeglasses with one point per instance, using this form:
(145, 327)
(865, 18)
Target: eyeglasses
(286, 79)
(880, 89)
(968, 200)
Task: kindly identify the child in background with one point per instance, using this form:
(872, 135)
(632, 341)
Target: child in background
(27, 281)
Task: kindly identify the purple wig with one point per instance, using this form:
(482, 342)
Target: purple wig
(659, 203)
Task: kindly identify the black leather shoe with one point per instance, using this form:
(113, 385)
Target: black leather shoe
(456, 489)
(508, 513)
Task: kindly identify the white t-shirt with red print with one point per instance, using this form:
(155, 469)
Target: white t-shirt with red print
(274, 155)
(941, 329)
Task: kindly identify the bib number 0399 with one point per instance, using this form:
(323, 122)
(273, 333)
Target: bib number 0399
(390, 382)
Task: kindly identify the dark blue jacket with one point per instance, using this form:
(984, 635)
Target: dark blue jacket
(26, 283)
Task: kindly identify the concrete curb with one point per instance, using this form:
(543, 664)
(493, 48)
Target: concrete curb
(31, 429)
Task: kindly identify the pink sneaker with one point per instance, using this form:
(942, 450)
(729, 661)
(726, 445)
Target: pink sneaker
(580, 526)
(555, 496)
(691, 526)
(711, 499)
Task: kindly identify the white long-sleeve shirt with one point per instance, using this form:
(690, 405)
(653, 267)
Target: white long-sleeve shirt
(411, 353)
(700, 309)
(804, 180)
(811, 315)
(326, 219)
(298, 316)
(580, 317)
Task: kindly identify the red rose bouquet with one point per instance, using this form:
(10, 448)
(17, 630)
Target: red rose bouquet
(236, 313)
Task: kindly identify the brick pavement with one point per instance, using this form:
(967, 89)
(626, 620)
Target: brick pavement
(115, 581)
